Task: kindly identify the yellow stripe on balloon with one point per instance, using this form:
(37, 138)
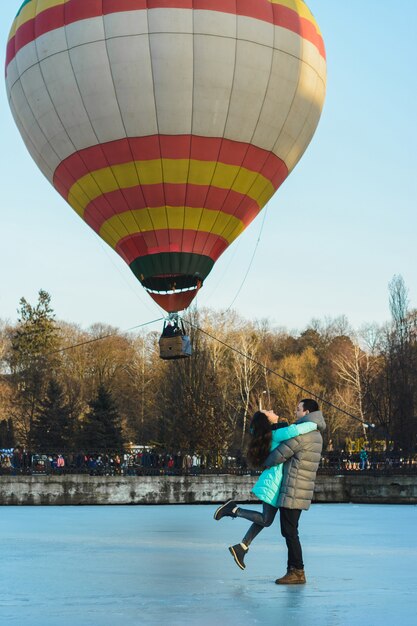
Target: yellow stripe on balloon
(175, 171)
(43, 5)
(26, 14)
(173, 218)
(300, 7)
(31, 10)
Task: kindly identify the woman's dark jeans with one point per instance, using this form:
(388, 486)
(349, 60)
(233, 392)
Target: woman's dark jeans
(260, 520)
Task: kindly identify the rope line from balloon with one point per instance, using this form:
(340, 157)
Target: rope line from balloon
(284, 378)
(249, 266)
(251, 261)
(88, 341)
(84, 343)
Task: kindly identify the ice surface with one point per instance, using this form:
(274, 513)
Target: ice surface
(169, 565)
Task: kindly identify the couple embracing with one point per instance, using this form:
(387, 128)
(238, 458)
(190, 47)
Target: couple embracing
(291, 455)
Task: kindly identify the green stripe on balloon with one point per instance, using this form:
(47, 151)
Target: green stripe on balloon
(22, 7)
(154, 271)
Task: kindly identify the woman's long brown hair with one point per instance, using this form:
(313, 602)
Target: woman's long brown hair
(260, 442)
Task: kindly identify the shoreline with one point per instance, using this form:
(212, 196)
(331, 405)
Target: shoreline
(78, 490)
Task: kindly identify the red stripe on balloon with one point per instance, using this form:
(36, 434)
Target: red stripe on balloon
(75, 10)
(10, 52)
(155, 242)
(51, 19)
(24, 35)
(171, 4)
(174, 301)
(115, 6)
(171, 195)
(153, 147)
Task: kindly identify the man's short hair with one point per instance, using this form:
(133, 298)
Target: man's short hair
(310, 405)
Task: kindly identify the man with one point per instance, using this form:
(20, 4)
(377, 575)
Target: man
(301, 457)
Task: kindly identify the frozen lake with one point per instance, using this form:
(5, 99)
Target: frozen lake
(169, 565)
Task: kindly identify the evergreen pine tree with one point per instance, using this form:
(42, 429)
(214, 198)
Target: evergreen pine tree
(3, 434)
(10, 440)
(7, 439)
(31, 359)
(52, 428)
(101, 430)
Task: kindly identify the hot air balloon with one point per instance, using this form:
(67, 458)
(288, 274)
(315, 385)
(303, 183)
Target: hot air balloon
(166, 124)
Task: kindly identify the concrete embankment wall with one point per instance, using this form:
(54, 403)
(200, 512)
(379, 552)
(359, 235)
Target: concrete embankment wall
(82, 490)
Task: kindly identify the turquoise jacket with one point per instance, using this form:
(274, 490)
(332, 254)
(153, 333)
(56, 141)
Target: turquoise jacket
(268, 484)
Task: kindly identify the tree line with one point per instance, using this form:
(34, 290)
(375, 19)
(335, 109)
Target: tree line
(65, 388)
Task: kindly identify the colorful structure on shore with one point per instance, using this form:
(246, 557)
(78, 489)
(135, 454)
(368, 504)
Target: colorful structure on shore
(166, 124)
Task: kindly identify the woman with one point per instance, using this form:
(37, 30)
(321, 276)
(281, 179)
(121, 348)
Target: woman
(266, 434)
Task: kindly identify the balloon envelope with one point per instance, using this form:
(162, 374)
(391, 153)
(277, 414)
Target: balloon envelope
(166, 124)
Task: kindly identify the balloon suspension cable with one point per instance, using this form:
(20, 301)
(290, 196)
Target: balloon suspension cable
(251, 260)
(284, 378)
(84, 343)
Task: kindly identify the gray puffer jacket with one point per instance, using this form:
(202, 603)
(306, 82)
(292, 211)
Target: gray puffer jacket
(301, 457)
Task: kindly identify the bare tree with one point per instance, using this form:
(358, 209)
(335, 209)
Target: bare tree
(353, 370)
(398, 302)
(248, 373)
(399, 355)
(5, 382)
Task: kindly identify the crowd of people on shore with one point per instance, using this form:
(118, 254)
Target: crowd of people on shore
(148, 461)
(126, 463)
(367, 460)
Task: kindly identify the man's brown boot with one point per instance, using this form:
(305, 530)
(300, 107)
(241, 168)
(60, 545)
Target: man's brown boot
(292, 577)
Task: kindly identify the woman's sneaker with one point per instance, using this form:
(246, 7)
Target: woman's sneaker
(238, 553)
(226, 510)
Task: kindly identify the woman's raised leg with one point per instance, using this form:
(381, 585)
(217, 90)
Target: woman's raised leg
(260, 521)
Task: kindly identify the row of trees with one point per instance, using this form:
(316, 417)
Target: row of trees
(62, 387)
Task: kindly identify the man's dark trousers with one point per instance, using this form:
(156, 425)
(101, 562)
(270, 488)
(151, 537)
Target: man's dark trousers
(289, 530)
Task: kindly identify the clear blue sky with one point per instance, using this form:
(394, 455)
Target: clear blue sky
(337, 231)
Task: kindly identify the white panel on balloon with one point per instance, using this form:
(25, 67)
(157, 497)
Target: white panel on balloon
(130, 61)
(63, 90)
(214, 62)
(170, 21)
(126, 23)
(172, 65)
(278, 98)
(52, 42)
(84, 31)
(253, 65)
(92, 71)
